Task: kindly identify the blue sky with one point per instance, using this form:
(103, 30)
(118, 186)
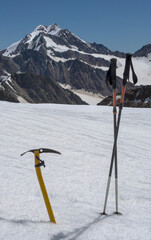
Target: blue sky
(123, 25)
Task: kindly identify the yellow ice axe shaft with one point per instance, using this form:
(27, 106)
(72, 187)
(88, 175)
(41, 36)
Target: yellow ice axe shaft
(43, 188)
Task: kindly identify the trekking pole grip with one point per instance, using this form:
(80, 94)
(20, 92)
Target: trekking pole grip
(127, 68)
(113, 72)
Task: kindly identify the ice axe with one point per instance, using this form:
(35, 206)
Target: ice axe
(38, 164)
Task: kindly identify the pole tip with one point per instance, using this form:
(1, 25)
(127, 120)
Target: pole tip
(103, 213)
(117, 213)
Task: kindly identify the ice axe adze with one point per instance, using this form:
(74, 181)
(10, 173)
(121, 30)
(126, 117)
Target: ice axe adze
(38, 164)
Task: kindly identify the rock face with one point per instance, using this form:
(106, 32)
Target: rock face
(52, 53)
(138, 97)
(31, 88)
(144, 51)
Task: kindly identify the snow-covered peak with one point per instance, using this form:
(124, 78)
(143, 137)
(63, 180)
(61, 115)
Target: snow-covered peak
(31, 39)
(11, 49)
(53, 29)
(40, 28)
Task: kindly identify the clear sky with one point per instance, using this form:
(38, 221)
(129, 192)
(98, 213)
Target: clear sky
(123, 25)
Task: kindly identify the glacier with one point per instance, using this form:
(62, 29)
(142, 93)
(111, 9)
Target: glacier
(76, 180)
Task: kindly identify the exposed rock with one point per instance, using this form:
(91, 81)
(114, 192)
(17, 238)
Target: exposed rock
(144, 51)
(138, 97)
(36, 89)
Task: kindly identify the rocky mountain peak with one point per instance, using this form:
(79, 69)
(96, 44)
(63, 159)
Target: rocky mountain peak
(53, 29)
(40, 28)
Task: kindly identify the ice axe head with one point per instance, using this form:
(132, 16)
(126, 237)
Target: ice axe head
(42, 150)
(38, 151)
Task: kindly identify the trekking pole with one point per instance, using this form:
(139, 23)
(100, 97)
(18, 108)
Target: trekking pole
(111, 80)
(38, 164)
(114, 117)
(128, 64)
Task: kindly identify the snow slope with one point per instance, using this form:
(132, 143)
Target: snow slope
(75, 180)
(88, 97)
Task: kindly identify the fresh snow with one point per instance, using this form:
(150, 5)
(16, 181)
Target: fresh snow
(76, 180)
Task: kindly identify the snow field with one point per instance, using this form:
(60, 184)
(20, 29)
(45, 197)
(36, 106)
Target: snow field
(76, 180)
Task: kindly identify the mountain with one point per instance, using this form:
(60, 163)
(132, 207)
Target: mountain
(145, 51)
(62, 56)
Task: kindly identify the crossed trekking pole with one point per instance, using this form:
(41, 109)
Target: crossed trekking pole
(111, 80)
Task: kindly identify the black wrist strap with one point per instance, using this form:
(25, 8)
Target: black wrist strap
(126, 73)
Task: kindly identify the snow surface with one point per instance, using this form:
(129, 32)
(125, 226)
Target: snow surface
(11, 49)
(21, 99)
(52, 29)
(76, 180)
(57, 47)
(89, 97)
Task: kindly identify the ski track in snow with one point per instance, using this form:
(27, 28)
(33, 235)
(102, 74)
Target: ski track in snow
(76, 180)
